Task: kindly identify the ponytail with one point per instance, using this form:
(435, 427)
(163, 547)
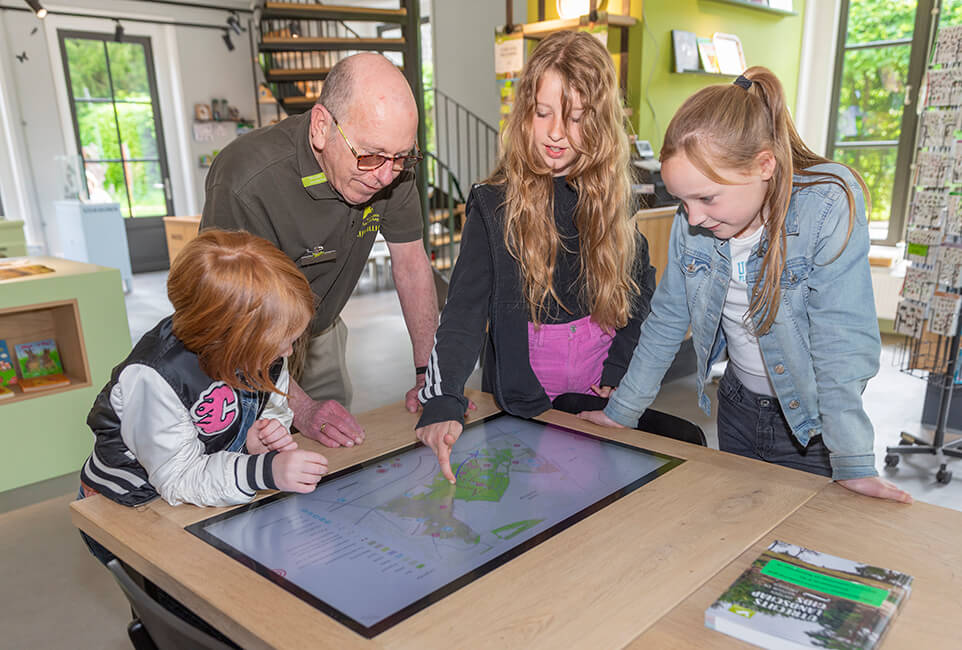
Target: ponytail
(728, 126)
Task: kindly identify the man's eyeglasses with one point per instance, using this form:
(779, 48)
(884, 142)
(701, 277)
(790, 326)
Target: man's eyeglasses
(371, 161)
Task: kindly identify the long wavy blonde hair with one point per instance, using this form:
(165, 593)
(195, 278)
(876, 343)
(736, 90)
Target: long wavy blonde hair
(599, 174)
(727, 126)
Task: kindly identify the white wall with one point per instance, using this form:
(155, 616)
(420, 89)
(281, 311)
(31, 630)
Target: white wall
(816, 72)
(191, 65)
(464, 51)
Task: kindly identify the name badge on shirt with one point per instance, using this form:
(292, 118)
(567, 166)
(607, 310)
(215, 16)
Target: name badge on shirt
(316, 255)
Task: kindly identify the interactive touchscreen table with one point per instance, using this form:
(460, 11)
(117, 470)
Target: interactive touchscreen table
(377, 542)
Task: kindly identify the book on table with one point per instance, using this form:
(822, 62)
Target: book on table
(794, 597)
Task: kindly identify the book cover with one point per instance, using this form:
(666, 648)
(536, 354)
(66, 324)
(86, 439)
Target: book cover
(794, 597)
(30, 384)
(12, 271)
(8, 371)
(685, 48)
(38, 358)
(706, 49)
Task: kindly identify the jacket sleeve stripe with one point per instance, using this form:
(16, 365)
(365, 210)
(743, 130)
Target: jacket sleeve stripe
(432, 378)
(240, 475)
(129, 477)
(97, 482)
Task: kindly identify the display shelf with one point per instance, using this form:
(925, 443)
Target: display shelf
(179, 231)
(545, 28)
(705, 73)
(12, 241)
(81, 306)
(757, 7)
(59, 321)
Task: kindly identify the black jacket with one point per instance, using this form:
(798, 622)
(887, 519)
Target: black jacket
(486, 290)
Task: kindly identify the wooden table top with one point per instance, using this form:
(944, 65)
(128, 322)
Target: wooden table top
(601, 583)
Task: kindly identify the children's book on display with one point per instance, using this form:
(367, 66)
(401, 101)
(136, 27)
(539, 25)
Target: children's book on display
(40, 366)
(8, 371)
(794, 597)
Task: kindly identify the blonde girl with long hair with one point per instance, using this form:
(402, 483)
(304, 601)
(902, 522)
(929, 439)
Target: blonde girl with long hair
(768, 261)
(552, 273)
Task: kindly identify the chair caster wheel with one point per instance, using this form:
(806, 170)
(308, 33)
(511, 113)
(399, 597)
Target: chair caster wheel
(943, 476)
(891, 460)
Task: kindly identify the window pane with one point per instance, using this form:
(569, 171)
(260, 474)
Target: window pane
(128, 69)
(105, 183)
(146, 189)
(98, 130)
(137, 130)
(877, 167)
(88, 68)
(871, 20)
(951, 13)
(872, 94)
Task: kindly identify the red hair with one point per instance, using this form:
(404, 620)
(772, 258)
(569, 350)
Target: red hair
(237, 299)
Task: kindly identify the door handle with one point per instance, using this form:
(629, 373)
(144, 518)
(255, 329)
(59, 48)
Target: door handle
(908, 94)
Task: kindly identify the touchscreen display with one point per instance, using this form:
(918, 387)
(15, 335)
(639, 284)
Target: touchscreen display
(375, 543)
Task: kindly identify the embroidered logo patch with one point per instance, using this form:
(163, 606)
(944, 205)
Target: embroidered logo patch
(370, 222)
(216, 409)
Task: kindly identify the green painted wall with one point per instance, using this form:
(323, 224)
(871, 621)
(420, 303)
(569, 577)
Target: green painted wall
(47, 436)
(768, 39)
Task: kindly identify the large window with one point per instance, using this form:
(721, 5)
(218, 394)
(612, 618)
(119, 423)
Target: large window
(113, 98)
(882, 54)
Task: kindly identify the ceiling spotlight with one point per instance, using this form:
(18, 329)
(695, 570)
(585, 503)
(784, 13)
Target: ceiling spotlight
(118, 32)
(234, 23)
(294, 29)
(229, 43)
(37, 9)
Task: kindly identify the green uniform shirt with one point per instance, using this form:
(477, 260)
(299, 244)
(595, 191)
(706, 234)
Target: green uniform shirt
(268, 183)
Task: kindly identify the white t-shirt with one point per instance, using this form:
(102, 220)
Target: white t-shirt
(744, 353)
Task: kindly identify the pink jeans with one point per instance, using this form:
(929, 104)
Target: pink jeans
(567, 358)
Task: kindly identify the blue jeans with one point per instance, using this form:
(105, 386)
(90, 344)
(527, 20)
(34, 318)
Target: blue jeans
(753, 425)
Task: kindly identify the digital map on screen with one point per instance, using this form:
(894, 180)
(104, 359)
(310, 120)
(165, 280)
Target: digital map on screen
(377, 540)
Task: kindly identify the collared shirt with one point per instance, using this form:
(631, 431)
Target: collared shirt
(269, 183)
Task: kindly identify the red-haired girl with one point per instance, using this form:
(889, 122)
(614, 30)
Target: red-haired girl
(197, 413)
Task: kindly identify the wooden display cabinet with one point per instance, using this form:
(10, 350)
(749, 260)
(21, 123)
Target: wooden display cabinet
(81, 306)
(59, 321)
(180, 230)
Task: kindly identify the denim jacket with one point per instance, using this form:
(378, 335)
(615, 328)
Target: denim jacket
(824, 344)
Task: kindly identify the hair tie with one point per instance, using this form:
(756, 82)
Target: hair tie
(743, 81)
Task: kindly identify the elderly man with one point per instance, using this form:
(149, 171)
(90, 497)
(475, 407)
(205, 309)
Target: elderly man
(320, 186)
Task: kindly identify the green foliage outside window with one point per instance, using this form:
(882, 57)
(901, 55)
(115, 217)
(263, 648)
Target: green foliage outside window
(872, 91)
(116, 123)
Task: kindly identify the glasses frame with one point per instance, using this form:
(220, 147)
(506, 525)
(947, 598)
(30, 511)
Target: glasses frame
(407, 161)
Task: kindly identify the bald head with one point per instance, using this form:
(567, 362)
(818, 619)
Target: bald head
(365, 81)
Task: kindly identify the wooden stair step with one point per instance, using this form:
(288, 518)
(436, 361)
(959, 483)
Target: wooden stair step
(319, 43)
(298, 104)
(331, 12)
(444, 240)
(297, 74)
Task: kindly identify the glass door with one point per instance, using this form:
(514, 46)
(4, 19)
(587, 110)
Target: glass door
(116, 117)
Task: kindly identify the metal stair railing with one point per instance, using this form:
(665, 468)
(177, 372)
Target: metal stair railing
(463, 141)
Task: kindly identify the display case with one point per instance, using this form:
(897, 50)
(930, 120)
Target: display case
(81, 306)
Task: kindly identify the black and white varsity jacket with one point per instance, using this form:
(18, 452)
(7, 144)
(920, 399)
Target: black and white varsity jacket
(163, 427)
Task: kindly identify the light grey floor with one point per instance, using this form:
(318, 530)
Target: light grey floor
(55, 595)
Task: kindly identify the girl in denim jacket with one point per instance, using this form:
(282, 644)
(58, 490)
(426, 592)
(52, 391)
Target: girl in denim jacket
(770, 264)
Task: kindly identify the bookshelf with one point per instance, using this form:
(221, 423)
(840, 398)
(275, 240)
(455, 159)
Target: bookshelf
(58, 320)
(80, 306)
